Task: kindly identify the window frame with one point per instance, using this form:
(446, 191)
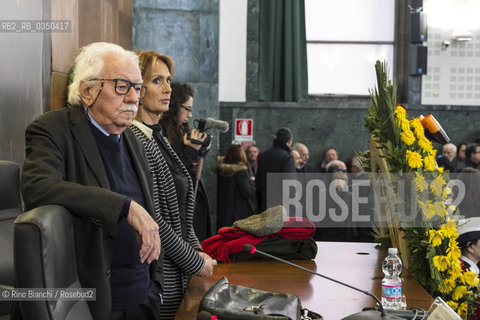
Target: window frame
(391, 64)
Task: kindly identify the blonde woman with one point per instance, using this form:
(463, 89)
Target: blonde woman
(173, 187)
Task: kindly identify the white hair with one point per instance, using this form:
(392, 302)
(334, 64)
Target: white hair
(337, 163)
(356, 163)
(89, 65)
(299, 146)
(454, 147)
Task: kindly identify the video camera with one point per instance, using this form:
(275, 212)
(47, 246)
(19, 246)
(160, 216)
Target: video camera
(203, 125)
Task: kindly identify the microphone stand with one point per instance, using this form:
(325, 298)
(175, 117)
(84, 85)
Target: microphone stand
(323, 276)
(198, 175)
(364, 315)
(202, 152)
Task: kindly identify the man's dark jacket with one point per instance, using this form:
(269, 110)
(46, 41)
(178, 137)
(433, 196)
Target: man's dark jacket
(307, 168)
(63, 166)
(276, 159)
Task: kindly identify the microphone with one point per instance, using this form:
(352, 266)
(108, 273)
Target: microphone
(433, 129)
(204, 315)
(209, 123)
(370, 314)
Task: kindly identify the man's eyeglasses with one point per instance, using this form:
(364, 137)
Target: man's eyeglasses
(123, 86)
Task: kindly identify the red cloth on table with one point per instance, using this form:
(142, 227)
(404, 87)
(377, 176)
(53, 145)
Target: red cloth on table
(231, 240)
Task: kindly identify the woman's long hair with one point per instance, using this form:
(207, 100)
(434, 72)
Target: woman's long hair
(181, 92)
(235, 154)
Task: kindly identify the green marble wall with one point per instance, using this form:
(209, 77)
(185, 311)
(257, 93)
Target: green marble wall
(319, 125)
(338, 123)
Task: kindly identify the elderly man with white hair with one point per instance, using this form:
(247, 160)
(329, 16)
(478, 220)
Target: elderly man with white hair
(448, 160)
(84, 158)
(304, 166)
(297, 159)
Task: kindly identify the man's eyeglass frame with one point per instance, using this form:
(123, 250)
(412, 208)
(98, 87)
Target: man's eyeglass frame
(139, 88)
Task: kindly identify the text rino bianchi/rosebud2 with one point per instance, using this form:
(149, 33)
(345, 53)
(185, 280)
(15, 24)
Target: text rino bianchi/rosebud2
(47, 294)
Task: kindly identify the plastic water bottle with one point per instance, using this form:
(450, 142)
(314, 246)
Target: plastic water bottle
(392, 283)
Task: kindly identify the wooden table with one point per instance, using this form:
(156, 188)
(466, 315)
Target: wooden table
(357, 264)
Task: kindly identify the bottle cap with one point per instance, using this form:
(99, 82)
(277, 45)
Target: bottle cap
(392, 250)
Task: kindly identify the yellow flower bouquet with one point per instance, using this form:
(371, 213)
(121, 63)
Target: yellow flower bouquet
(433, 252)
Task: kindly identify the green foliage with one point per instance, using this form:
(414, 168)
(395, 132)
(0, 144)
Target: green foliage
(433, 252)
(380, 120)
(378, 237)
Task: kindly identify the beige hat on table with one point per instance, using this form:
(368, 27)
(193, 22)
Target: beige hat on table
(263, 224)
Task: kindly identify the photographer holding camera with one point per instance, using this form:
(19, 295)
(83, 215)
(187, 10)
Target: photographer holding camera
(190, 145)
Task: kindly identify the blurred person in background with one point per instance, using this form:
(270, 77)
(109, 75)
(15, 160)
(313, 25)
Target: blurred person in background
(361, 187)
(330, 154)
(448, 159)
(277, 159)
(297, 159)
(469, 191)
(302, 150)
(461, 148)
(252, 157)
(187, 143)
(332, 227)
(472, 158)
(236, 191)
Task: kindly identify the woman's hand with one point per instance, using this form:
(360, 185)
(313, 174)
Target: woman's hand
(207, 270)
(194, 135)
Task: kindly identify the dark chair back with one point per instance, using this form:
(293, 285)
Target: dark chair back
(45, 258)
(10, 208)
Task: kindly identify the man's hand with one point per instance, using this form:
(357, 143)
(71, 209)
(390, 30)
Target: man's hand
(195, 135)
(207, 270)
(146, 230)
